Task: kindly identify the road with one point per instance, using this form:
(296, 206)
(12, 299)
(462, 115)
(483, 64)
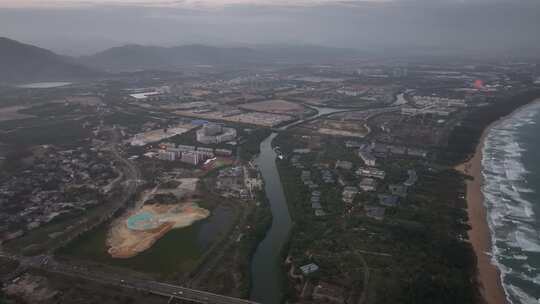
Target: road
(131, 177)
(323, 112)
(365, 283)
(49, 264)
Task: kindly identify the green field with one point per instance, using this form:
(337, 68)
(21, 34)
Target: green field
(177, 252)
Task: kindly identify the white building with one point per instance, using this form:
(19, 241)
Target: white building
(166, 155)
(368, 159)
(371, 172)
(214, 134)
(368, 184)
(190, 158)
(309, 268)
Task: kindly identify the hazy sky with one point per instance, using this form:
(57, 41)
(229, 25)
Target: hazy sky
(162, 3)
(82, 27)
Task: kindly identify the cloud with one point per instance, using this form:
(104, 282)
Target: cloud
(160, 3)
(488, 26)
(218, 3)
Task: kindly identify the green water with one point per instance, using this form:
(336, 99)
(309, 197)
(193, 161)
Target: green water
(178, 251)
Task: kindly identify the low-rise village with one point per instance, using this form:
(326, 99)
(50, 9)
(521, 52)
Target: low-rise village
(57, 183)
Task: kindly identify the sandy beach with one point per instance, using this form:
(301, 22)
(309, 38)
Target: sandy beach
(480, 235)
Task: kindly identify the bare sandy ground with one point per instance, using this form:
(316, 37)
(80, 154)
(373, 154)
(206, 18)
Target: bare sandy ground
(12, 113)
(480, 235)
(276, 106)
(123, 242)
(152, 136)
(31, 289)
(253, 118)
(84, 100)
(327, 131)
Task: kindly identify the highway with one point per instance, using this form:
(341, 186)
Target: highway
(49, 264)
(131, 178)
(323, 112)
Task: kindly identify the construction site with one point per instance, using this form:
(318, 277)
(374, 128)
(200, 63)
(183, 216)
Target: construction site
(144, 227)
(155, 214)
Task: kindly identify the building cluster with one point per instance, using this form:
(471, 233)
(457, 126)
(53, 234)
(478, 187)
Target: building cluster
(369, 181)
(353, 91)
(371, 176)
(213, 133)
(395, 193)
(295, 161)
(370, 172)
(367, 157)
(434, 105)
(323, 291)
(156, 135)
(59, 183)
(369, 152)
(315, 198)
(150, 94)
(349, 194)
(238, 182)
(192, 155)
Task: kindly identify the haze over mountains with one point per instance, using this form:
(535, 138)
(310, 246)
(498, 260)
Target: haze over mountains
(501, 27)
(22, 62)
(135, 57)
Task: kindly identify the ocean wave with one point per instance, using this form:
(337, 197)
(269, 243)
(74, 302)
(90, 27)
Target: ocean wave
(527, 242)
(523, 190)
(520, 257)
(521, 295)
(510, 212)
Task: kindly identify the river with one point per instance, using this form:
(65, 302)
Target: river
(267, 275)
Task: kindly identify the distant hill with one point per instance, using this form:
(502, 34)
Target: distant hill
(21, 62)
(137, 57)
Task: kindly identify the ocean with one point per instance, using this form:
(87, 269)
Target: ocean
(511, 172)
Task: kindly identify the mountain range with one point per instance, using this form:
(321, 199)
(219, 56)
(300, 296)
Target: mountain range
(23, 62)
(136, 57)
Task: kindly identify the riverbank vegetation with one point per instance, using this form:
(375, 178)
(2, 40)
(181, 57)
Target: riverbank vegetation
(231, 274)
(250, 147)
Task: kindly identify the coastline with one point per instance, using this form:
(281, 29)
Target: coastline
(489, 277)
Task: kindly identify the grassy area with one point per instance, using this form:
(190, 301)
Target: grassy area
(47, 132)
(177, 251)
